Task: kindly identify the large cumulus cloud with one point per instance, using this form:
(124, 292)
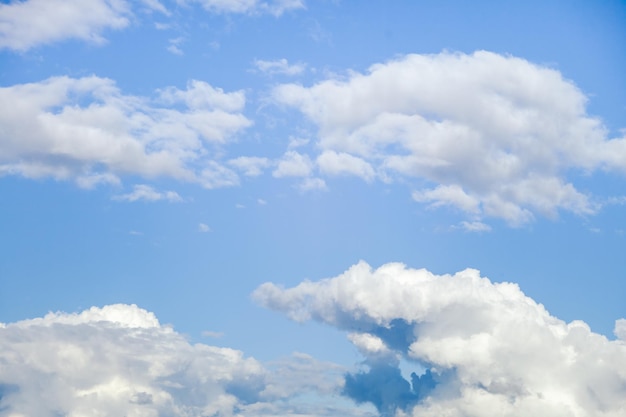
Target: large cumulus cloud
(489, 350)
(120, 361)
(488, 134)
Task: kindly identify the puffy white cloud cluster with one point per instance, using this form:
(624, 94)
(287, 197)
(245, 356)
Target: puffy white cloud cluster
(489, 349)
(86, 129)
(120, 361)
(26, 24)
(488, 134)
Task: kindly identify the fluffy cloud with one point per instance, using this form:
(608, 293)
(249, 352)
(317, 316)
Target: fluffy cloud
(494, 135)
(489, 350)
(293, 164)
(25, 24)
(87, 130)
(274, 7)
(119, 360)
(251, 166)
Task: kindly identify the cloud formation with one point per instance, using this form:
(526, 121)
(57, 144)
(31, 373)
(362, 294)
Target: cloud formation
(490, 135)
(274, 7)
(119, 360)
(26, 24)
(489, 349)
(87, 130)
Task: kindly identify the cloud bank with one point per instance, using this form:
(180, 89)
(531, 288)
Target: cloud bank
(488, 349)
(87, 130)
(119, 360)
(487, 134)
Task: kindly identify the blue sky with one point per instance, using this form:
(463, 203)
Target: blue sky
(181, 155)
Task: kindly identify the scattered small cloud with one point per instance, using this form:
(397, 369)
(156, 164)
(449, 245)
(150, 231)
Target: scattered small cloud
(279, 67)
(261, 202)
(174, 46)
(250, 166)
(203, 228)
(475, 227)
(293, 164)
(142, 192)
(312, 184)
(213, 335)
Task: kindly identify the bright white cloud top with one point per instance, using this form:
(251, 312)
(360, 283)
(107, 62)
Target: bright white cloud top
(166, 158)
(119, 360)
(493, 134)
(488, 349)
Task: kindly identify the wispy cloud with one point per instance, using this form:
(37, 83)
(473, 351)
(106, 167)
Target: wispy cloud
(142, 192)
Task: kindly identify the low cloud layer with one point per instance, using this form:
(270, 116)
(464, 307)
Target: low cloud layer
(119, 360)
(487, 134)
(87, 130)
(488, 349)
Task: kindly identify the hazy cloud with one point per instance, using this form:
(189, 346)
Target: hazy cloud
(489, 349)
(251, 166)
(274, 7)
(280, 66)
(496, 135)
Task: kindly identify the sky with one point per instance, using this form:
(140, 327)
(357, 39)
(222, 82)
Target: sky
(312, 208)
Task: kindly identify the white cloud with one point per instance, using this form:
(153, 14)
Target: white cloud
(620, 329)
(341, 163)
(203, 228)
(119, 360)
(275, 7)
(475, 227)
(280, 66)
(311, 184)
(250, 166)
(174, 46)
(26, 24)
(87, 130)
(143, 192)
(495, 134)
(293, 164)
(489, 349)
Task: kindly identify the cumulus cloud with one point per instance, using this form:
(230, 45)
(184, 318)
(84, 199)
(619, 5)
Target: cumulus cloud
(293, 164)
(87, 130)
(251, 166)
(341, 163)
(119, 360)
(280, 66)
(26, 24)
(488, 349)
(274, 7)
(495, 135)
(142, 192)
